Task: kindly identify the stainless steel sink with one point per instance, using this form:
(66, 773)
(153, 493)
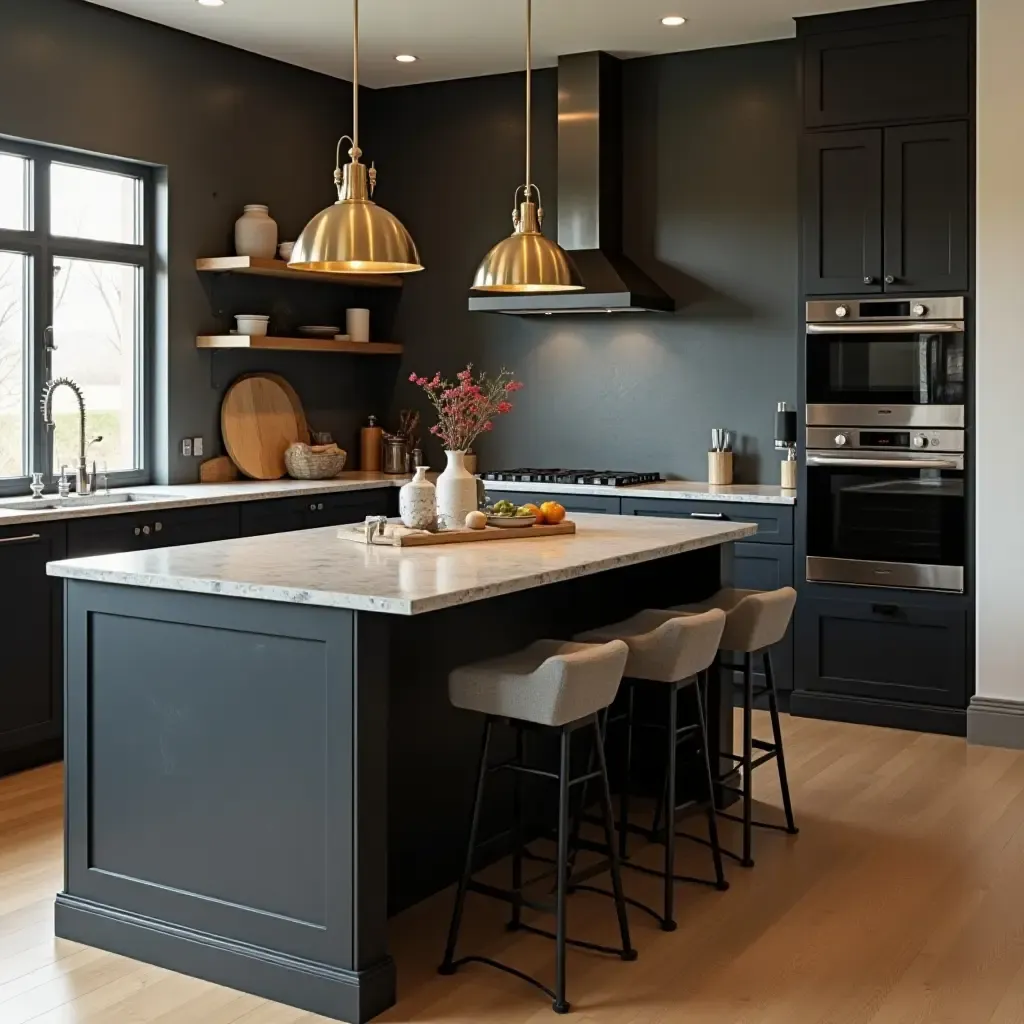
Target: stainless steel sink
(50, 503)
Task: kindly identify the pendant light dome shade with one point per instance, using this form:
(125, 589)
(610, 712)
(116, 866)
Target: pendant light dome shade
(355, 235)
(527, 261)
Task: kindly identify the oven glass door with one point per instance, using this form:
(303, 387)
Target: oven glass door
(848, 367)
(876, 513)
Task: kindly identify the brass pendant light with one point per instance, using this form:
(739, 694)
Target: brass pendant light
(527, 261)
(355, 235)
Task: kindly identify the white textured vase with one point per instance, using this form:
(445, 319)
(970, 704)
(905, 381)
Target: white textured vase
(417, 502)
(256, 233)
(456, 492)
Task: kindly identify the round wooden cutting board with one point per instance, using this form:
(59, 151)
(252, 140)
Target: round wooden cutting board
(258, 421)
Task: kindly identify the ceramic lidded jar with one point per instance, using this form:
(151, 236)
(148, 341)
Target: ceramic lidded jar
(417, 502)
(256, 233)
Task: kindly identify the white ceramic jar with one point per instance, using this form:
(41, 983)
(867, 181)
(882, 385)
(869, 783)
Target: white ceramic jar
(417, 502)
(256, 233)
(456, 492)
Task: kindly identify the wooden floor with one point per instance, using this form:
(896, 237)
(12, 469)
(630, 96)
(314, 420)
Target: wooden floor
(901, 902)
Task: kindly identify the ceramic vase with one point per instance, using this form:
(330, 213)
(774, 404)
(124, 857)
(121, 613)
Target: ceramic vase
(417, 502)
(256, 233)
(456, 492)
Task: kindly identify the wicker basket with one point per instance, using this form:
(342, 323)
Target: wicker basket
(320, 462)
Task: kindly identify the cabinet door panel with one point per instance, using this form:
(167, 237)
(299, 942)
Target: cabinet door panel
(30, 632)
(898, 652)
(888, 73)
(571, 502)
(279, 515)
(774, 522)
(927, 198)
(103, 535)
(842, 217)
(353, 507)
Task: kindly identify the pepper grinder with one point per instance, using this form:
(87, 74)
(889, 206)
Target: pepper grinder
(371, 444)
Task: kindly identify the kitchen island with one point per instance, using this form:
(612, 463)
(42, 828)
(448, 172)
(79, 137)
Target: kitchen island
(261, 761)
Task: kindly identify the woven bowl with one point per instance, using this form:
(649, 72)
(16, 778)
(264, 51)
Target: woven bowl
(320, 462)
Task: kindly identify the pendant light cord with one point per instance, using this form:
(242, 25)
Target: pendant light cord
(356, 152)
(529, 90)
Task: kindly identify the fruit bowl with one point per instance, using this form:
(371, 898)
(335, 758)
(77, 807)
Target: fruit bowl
(512, 522)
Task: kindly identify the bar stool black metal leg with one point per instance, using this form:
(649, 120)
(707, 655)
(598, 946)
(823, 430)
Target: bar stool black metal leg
(716, 849)
(560, 1005)
(626, 774)
(628, 953)
(668, 923)
(517, 836)
(773, 707)
(748, 758)
(448, 964)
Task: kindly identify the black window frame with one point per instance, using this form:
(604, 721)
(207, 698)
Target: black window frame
(43, 248)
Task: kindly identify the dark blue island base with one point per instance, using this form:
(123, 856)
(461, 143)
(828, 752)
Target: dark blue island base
(253, 788)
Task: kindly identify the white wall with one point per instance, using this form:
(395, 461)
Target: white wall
(1000, 350)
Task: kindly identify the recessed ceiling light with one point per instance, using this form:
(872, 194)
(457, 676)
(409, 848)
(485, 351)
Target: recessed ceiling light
(210, 3)
(406, 58)
(673, 20)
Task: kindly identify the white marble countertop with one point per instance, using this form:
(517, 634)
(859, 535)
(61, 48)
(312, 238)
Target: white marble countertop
(681, 490)
(161, 496)
(315, 567)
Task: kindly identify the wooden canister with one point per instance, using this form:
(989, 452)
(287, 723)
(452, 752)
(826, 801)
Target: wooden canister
(719, 468)
(371, 445)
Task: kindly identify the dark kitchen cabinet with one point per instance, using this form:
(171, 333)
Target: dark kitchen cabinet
(774, 522)
(570, 502)
(894, 652)
(912, 71)
(283, 515)
(887, 210)
(31, 683)
(926, 218)
(140, 531)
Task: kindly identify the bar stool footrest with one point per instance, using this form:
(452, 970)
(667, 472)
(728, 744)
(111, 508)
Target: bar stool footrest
(760, 824)
(448, 969)
(594, 947)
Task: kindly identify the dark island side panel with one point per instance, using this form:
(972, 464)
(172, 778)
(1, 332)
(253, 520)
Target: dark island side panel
(711, 213)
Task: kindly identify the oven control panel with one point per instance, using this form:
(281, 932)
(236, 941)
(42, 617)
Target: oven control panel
(869, 439)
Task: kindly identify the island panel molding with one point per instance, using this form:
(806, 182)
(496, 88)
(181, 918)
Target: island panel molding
(995, 722)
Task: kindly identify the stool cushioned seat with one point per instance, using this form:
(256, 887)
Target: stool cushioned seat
(755, 619)
(551, 682)
(665, 646)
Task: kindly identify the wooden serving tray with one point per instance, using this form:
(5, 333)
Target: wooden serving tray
(398, 536)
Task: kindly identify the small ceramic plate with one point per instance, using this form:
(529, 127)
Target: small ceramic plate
(512, 522)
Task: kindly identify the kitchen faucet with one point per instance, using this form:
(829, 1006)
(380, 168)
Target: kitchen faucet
(83, 481)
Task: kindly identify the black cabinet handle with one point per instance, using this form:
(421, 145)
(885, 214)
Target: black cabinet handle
(888, 610)
(707, 515)
(869, 280)
(889, 279)
(27, 538)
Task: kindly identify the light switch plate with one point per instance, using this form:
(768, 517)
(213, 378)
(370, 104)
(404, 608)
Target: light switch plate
(197, 447)
(186, 446)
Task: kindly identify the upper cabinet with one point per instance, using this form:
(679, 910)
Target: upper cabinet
(887, 210)
(887, 65)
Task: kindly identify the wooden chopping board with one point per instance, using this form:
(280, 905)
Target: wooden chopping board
(293, 397)
(258, 421)
(398, 536)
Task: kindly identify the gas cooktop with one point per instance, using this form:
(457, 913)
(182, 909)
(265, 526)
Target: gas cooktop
(600, 477)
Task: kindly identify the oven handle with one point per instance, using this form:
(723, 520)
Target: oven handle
(956, 462)
(920, 327)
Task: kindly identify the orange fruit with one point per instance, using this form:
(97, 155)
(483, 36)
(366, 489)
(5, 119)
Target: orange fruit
(536, 511)
(552, 512)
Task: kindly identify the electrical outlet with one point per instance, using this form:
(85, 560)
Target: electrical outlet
(197, 447)
(186, 446)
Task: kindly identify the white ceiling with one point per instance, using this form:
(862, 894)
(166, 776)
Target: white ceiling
(463, 38)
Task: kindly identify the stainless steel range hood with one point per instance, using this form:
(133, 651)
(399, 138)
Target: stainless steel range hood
(589, 201)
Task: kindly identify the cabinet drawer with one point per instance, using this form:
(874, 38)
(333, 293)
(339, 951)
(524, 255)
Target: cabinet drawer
(571, 502)
(889, 73)
(774, 522)
(158, 528)
(896, 652)
(278, 515)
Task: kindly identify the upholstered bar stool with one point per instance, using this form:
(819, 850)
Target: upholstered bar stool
(559, 686)
(669, 651)
(755, 621)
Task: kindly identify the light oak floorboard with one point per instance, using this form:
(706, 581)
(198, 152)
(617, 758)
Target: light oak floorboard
(901, 902)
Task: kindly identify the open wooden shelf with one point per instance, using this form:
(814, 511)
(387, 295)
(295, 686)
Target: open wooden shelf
(278, 268)
(265, 343)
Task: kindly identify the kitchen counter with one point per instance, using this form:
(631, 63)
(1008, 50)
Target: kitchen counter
(261, 767)
(314, 567)
(682, 490)
(166, 496)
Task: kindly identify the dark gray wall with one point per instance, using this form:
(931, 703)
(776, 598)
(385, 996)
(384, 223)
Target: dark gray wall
(711, 194)
(230, 128)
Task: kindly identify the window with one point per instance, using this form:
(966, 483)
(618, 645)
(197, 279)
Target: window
(76, 275)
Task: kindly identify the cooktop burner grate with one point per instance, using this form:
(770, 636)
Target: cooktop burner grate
(599, 477)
